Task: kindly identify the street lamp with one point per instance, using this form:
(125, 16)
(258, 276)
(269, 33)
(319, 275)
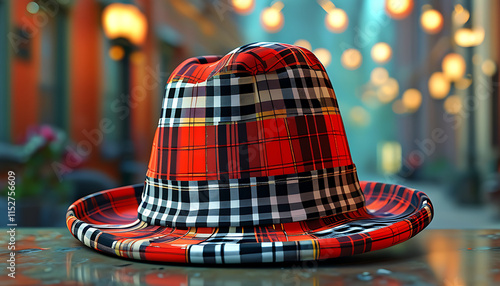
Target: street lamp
(126, 26)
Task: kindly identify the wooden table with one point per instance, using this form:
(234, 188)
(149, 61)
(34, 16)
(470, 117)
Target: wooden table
(435, 257)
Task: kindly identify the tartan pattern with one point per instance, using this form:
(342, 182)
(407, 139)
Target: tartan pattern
(227, 98)
(251, 201)
(106, 221)
(252, 149)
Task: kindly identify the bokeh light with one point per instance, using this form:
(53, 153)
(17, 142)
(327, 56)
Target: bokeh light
(439, 85)
(125, 21)
(336, 20)
(379, 76)
(489, 67)
(398, 9)
(388, 91)
(381, 52)
(453, 66)
(324, 56)
(303, 43)
(431, 21)
(243, 7)
(351, 59)
(412, 99)
(466, 37)
(463, 83)
(272, 18)
(32, 7)
(453, 104)
(460, 15)
(116, 53)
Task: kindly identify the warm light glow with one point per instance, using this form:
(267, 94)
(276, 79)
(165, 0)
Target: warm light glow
(432, 21)
(439, 85)
(323, 56)
(304, 44)
(453, 66)
(463, 83)
(379, 76)
(116, 53)
(359, 116)
(272, 19)
(369, 98)
(453, 104)
(412, 98)
(124, 21)
(390, 157)
(336, 20)
(351, 59)
(465, 37)
(381, 52)
(398, 107)
(398, 9)
(489, 67)
(243, 6)
(388, 91)
(460, 15)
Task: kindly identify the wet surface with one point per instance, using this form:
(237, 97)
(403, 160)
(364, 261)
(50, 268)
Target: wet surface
(51, 256)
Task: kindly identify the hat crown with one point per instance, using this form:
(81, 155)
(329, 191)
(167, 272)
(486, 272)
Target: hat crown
(254, 137)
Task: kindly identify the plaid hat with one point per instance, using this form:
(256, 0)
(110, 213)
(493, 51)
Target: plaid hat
(250, 163)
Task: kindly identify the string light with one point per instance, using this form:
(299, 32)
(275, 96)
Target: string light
(439, 85)
(453, 104)
(411, 99)
(465, 37)
(379, 76)
(336, 20)
(351, 59)
(460, 15)
(323, 56)
(381, 52)
(489, 67)
(398, 9)
(272, 18)
(388, 91)
(432, 21)
(243, 7)
(303, 43)
(453, 66)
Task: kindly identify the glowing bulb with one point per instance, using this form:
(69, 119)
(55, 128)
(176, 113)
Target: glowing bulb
(336, 20)
(465, 37)
(351, 59)
(412, 98)
(381, 52)
(439, 85)
(453, 66)
(323, 56)
(379, 76)
(453, 104)
(272, 19)
(303, 43)
(243, 6)
(432, 21)
(398, 9)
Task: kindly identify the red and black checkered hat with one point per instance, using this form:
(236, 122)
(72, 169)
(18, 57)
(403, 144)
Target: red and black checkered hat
(250, 164)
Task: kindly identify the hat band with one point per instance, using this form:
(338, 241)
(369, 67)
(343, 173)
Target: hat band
(251, 201)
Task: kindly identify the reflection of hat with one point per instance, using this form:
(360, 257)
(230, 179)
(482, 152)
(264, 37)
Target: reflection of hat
(250, 163)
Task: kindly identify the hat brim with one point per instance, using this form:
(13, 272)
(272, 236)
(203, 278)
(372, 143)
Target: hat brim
(107, 221)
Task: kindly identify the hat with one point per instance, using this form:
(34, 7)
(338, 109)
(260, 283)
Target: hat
(249, 164)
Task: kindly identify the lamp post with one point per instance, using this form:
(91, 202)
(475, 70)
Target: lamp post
(126, 26)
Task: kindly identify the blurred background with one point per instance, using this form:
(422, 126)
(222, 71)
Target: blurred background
(81, 84)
